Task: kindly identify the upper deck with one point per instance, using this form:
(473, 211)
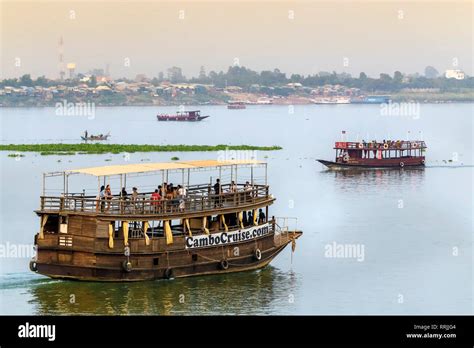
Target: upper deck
(197, 200)
(387, 145)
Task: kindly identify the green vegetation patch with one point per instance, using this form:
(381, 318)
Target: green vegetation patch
(71, 149)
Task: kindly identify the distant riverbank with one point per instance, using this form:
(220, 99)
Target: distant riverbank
(113, 100)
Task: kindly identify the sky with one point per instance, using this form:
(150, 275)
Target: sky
(303, 37)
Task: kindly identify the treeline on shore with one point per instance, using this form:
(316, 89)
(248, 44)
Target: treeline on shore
(246, 78)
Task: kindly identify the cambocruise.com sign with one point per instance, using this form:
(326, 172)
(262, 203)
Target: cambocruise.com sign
(210, 240)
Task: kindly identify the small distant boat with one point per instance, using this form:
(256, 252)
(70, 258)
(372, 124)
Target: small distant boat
(189, 116)
(371, 99)
(332, 101)
(99, 137)
(387, 154)
(236, 104)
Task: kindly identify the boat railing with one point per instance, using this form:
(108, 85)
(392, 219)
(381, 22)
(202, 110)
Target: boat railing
(283, 227)
(388, 145)
(143, 205)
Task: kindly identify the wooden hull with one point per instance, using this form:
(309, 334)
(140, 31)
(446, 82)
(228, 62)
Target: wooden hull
(176, 262)
(395, 163)
(182, 119)
(95, 138)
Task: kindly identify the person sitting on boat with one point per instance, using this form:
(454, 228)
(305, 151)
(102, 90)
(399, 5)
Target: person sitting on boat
(217, 192)
(261, 216)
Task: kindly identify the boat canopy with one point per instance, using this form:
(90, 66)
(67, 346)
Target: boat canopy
(154, 167)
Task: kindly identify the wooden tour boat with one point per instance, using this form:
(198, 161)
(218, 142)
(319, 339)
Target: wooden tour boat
(387, 154)
(189, 116)
(137, 237)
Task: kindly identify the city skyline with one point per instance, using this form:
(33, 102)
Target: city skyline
(297, 38)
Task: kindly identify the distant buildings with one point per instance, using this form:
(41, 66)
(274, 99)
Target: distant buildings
(454, 74)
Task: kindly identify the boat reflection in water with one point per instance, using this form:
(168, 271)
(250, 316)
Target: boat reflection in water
(376, 180)
(246, 293)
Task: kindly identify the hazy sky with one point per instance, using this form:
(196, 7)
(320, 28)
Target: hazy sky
(295, 36)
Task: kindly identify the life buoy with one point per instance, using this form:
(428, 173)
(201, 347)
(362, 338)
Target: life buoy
(258, 254)
(360, 145)
(402, 164)
(345, 158)
(423, 161)
(127, 266)
(385, 146)
(168, 273)
(414, 145)
(224, 264)
(33, 266)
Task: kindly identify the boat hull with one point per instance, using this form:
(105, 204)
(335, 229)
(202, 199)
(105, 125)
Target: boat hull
(179, 263)
(182, 119)
(395, 163)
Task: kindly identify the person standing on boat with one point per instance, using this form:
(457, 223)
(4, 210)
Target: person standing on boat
(108, 196)
(156, 198)
(261, 216)
(217, 192)
(85, 134)
(101, 197)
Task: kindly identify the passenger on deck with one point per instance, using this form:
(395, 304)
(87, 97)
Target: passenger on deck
(217, 192)
(123, 193)
(134, 194)
(101, 198)
(164, 189)
(247, 186)
(108, 196)
(261, 216)
(244, 218)
(233, 187)
(182, 191)
(156, 198)
(249, 218)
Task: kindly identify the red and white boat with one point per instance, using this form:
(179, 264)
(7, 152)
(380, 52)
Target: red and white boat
(189, 116)
(386, 154)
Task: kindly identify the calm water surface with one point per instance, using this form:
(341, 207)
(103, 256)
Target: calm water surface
(415, 225)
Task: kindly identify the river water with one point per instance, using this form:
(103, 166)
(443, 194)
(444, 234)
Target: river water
(412, 228)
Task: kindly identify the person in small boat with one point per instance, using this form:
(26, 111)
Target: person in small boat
(217, 192)
(261, 216)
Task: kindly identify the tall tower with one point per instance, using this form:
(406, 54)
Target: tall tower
(62, 71)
